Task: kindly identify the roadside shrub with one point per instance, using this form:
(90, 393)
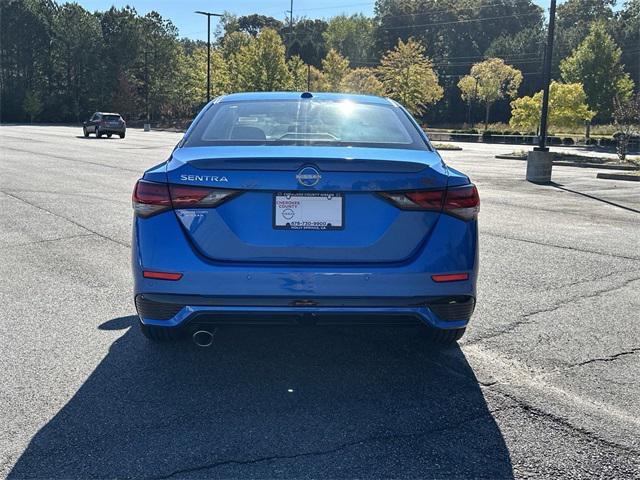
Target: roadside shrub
(608, 142)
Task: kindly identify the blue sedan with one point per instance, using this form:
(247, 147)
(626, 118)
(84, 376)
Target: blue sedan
(285, 208)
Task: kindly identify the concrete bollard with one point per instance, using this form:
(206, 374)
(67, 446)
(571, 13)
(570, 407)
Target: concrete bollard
(539, 164)
(147, 127)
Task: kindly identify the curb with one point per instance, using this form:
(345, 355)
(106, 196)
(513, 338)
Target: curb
(565, 163)
(619, 176)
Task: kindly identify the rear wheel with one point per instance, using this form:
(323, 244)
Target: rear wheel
(160, 334)
(443, 337)
(84, 132)
(109, 135)
(121, 135)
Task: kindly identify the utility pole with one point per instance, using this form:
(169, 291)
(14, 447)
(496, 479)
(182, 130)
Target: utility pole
(209, 15)
(546, 74)
(540, 160)
(147, 124)
(290, 39)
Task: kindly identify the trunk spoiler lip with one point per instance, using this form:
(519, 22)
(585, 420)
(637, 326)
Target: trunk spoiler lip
(327, 159)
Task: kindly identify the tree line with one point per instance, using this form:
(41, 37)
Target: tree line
(447, 61)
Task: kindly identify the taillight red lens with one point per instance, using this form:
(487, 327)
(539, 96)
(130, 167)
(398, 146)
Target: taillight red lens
(427, 200)
(150, 198)
(186, 196)
(462, 202)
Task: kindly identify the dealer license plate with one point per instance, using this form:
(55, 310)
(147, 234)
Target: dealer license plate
(308, 211)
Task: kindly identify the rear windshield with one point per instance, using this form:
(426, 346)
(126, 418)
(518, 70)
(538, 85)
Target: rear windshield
(305, 122)
(111, 117)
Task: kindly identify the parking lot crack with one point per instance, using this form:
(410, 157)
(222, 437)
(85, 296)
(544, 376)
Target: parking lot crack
(610, 358)
(48, 240)
(525, 318)
(101, 235)
(553, 245)
(528, 408)
(378, 438)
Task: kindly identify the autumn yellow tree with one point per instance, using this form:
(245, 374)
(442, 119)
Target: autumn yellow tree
(362, 80)
(299, 71)
(334, 68)
(408, 76)
(490, 81)
(260, 65)
(567, 108)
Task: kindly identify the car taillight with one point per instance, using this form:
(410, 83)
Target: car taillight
(462, 202)
(150, 198)
(185, 196)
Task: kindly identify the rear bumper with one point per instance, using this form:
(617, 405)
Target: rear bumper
(116, 130)
(181, 310)
(268, 293)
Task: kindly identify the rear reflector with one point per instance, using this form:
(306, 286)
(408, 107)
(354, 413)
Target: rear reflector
(462, 202)
(450, 277)
(150, 198)
(161, 275)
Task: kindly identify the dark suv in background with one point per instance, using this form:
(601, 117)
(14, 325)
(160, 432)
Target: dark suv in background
(105, 124)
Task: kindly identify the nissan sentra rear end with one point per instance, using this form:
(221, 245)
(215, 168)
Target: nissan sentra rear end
(324, 209)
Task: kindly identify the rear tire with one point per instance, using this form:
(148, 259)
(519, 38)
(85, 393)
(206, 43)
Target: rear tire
(84, 132)
(444, 337)
(121, 135)
(109, 135)
(160, 334)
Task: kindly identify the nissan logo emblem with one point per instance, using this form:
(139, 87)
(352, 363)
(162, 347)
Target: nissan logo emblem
(308, 176)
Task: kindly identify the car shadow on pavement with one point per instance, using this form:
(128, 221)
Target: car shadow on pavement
(273, 403)
(92, 137)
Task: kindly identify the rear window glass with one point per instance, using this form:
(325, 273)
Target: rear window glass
(305, 122)
(111, 117)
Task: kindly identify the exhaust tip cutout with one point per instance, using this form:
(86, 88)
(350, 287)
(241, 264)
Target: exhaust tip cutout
(202, 338)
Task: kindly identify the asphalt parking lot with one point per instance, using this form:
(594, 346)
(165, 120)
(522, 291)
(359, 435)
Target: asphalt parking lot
(544, 384)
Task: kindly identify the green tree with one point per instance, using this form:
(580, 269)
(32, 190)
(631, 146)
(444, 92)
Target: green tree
(491, 80)
(596, 64)
(299, 72)
(362, 80)
(334, 67)
(32, 104)
(626, 115)
(567, 108)
(255, 23)
(77, 35)
(352, 37)
(626, 30)
(306, 40)
(573, 20)
(408, 76)
(261, 65)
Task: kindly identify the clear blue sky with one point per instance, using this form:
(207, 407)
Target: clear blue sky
(190, 25)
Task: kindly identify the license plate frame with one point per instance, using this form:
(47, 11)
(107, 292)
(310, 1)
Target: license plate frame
(282, 224)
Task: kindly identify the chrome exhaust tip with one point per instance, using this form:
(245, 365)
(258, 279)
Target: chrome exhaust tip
(203, 338)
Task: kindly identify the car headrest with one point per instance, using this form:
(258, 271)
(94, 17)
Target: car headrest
(247, 133)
